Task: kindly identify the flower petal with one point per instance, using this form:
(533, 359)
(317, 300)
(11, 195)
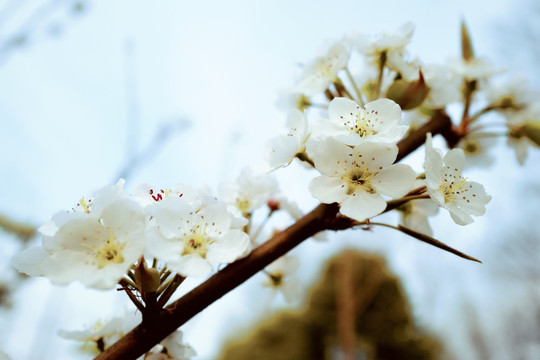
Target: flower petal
(362, 205)
(280, 151)
(230, 247)
(330, 156)
(387, 111)
(395, 180)
(328, 189)
(191, 265)
(375, 156)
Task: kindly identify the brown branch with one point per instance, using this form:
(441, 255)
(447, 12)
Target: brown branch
(440, 123)
(23, 230)
(147, 334)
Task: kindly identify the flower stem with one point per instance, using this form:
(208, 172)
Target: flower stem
(304, 157)
(359, 99)
(257, 232)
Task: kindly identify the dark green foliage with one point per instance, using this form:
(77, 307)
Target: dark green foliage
(384, 325)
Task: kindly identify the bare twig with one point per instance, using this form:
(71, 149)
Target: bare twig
(147, 154)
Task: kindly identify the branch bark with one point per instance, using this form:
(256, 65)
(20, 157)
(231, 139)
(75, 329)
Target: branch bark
(151, 331)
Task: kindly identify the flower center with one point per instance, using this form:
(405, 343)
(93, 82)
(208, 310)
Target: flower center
(452, 189)
(196, 243)
(161, 194)
(326, 67)
(85, 206)
(110, 252)
(364, 123)
(243, 205)
(359, 179)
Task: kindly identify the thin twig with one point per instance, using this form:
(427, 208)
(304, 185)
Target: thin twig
(360, 101)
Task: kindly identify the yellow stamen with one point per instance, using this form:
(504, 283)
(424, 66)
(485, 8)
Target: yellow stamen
(83, 204)
(451, 189)
(111, 252)
(243, 205)
(359, 179)
(197, 242)
(364, 124)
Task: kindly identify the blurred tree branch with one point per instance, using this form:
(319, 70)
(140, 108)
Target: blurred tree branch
(160, 139)
(31, 16)
(22, 230)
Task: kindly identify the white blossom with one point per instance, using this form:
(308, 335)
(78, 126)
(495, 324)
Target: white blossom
(281, 277)
(353, 124)
(249, 192)
(292, 99)
(171, 348)
(385, 42)
(519, 142)
(356, 177)
(147, 194)
(477, 147)
(472, 69)
(444, 85)
(449, 189)
(391, 45)
(96, 246)
(190, 240)
(323, 71)
(104, 333)
(513, 95)
(282, 150)
(415, 213)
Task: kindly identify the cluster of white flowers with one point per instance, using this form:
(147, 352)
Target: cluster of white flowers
(186, 230)
(354, 146)
(103, 334)
(99, 240)
(95, 243)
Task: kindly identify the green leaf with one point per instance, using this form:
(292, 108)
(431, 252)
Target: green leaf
(408, 94)
(431, 241)
(467, 51)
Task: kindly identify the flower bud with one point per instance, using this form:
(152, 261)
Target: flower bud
(408, 95)
(467, 51)
(531, 129)
(146, 279)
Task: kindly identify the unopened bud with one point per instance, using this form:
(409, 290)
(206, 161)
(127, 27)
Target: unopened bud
(467, 51)
(408, 95)
(531, 129)
(273, 205)
(146, 279)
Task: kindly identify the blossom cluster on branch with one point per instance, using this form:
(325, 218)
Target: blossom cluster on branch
(375, 104)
